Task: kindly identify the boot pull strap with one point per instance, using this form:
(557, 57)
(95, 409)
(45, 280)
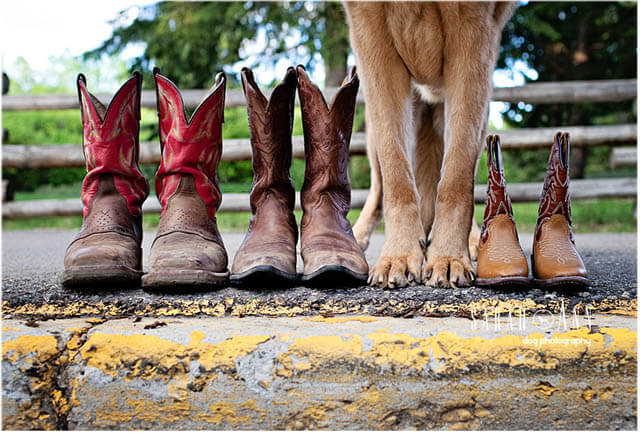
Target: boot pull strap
(560, 150)
(249, 86)
(494, 154)
(564, 150)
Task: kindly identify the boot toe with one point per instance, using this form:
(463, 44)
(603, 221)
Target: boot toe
(183, 251)
(260, 255)
(102, 260)
(103, 250)
(334, 262)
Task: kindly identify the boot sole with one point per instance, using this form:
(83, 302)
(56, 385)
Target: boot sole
(263, 275)
(334, 276)
(184, 279)
(92, 277)
(515, 283)
(567, 283)
(570, 283)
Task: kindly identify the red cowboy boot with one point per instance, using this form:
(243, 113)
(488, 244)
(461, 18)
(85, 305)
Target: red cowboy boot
(188, 249)
(328, 247)
(267, 255)
(555, 261)
(501, 261)
(107, 249)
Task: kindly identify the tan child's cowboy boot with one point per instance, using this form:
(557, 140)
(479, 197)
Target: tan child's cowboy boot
(555, 261)
(501, 261)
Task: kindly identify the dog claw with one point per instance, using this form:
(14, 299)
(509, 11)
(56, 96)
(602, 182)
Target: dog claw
(471, 276)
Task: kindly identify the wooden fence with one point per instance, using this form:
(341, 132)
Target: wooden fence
(50, 156)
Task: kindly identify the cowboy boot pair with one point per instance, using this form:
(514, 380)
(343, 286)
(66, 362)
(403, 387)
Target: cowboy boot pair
(188, 249)
(328, 248)
(555, 261)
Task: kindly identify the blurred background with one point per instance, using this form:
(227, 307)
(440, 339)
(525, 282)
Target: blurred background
(45, 45)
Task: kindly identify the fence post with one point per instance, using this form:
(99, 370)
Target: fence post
(5, 90)
(7, 191)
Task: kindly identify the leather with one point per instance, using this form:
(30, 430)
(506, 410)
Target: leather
(499, 253)
(187, 238)
(187, 184)
(110, 143)
(272, 234)
(110, 235)
(114, 188)
(326, 236)
(554, 251)
(191, 146)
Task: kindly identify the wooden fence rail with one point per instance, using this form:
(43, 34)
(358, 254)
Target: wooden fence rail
(623, 157)
(519, 192)
(50, 156)
(533, 93)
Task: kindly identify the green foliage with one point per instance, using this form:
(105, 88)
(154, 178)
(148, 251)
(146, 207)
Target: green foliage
(572, 41)
(43, 127)
(39, 128)
(192, 41)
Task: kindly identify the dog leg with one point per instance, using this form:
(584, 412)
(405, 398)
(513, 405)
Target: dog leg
(474, 240)
(474, 234)
(372, 210)
(467, 81)
(429, 150)
(388, 93)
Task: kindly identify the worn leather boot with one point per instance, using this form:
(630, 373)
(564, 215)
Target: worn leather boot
(267, 256)
(107, 250)
(328, 248)
(555, 261)
(188, 250)
(501, 261)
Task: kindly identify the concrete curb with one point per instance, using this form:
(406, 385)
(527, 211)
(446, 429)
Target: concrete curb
(344, 372)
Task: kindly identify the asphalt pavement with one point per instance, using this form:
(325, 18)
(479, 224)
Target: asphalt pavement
(302, 358)
(32, 263)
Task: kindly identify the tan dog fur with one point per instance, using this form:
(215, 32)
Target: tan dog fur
(426, 71)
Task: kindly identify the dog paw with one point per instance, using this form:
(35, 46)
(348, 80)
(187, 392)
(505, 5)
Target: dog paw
(448, 272)
(397, 271)
(474, 241)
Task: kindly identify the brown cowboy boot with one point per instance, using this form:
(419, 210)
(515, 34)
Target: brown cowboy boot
(188, 250)
(107, 249)
(328, 247)
(555, 261)
(267, 256)
(501, 261)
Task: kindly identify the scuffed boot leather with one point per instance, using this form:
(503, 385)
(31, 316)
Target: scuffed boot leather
(328, 248)
(501, 261)
(555, 261)
(188, 250)
(267, 256)
(107, 250)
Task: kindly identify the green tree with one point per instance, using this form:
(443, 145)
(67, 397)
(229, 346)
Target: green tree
(192, 41)
(571, 41)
